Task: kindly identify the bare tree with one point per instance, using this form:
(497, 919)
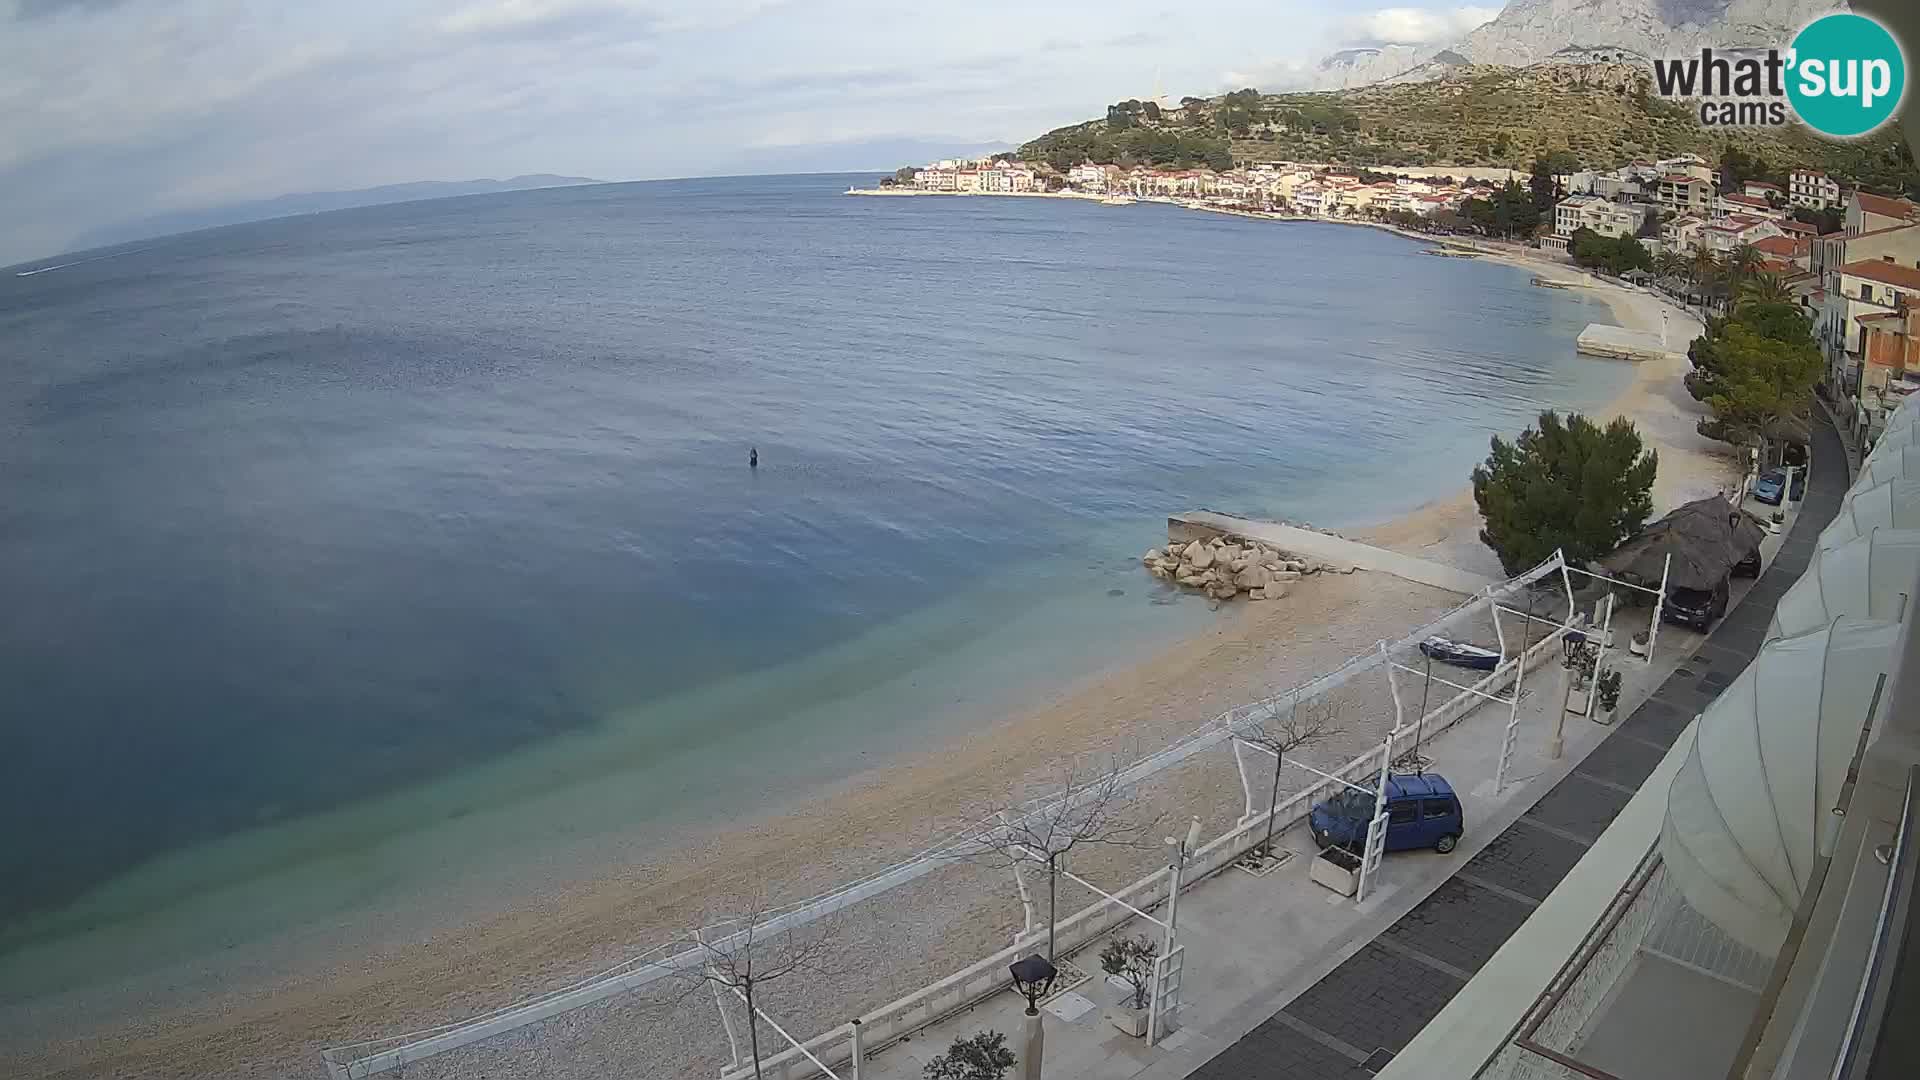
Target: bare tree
(752, 951)
(1281, 730)
(1085, 810)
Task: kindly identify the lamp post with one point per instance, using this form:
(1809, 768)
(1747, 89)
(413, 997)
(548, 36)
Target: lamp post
(1033, 977)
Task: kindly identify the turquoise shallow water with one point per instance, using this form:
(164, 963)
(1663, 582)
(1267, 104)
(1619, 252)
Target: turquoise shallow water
(350, 550)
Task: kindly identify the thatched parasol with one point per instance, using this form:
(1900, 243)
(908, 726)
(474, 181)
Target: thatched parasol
(1705, 537)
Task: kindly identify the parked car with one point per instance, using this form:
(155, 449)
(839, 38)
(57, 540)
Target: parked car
(1771, 488)
(1749, 566)
(1422, 812)
(1697, 608)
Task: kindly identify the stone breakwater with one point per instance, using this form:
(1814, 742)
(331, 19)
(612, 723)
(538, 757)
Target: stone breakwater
(1227, 566)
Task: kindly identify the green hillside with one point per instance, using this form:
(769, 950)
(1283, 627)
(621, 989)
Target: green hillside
(1603, 114)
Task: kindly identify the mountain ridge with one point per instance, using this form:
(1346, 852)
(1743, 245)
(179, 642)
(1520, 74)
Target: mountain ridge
(1528, 32)
(293, 204)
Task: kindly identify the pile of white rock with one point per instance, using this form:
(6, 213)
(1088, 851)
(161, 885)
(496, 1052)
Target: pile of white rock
(1226, 566)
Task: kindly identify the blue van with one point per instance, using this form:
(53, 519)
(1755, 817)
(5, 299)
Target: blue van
(1422, 812)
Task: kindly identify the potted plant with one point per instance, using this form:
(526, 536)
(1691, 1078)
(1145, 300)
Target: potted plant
(980, 1056)
(1131, 959)
(1608, 691)
(1338, 869)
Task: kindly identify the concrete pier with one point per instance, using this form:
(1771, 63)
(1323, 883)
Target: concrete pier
(1205, 525)
(1620, 343)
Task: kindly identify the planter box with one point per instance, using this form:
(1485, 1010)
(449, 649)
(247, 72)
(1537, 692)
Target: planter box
(1131, 1021)
(1336, 875)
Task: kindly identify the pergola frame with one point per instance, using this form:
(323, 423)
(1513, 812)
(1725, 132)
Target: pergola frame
(685, 955)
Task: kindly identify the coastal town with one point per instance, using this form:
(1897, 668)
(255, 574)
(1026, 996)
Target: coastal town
(1684, 226)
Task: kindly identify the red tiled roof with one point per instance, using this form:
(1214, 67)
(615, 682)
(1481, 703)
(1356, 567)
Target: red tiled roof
(1885, 207)
(1785, 246)
(1762, 184)
(1681, 178)
(1903, 277)
(1775, 266)
(1754, 201)
(1802, 227)
(1808, 172)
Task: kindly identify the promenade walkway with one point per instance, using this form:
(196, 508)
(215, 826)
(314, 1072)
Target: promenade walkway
(1352, 1022)
(1286, 979)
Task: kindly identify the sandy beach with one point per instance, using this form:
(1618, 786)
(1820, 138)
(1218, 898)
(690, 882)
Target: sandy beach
(259, 1012)
(1691, 465)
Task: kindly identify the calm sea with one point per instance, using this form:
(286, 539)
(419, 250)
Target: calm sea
(321, 532)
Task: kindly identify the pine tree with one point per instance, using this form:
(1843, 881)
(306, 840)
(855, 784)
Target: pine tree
(1568, 485)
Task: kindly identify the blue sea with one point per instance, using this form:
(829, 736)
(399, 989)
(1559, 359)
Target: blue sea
(325, 533)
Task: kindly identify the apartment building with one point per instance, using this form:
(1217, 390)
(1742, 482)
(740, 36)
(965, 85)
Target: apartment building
(1812, 188)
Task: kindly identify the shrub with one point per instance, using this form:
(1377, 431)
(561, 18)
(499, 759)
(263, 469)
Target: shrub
(980, 1056)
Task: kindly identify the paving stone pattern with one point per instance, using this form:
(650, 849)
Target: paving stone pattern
(1385, 993)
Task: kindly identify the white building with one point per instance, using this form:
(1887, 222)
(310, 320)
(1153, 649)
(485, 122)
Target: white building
(1600, 215)
(1006, 178)
(1812, 188)
(1088, 177)
(1750, 205)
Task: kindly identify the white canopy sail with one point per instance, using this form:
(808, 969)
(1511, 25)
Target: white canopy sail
(1746, 811)
(1895, 463)
(1894, 504)
(1868, 577)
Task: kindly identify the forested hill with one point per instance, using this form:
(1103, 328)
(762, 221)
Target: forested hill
(1604, 115)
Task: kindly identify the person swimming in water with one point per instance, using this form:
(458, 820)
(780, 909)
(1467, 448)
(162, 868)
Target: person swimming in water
(753, 457)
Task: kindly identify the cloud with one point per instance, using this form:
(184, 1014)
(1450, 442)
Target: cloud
(1413, 26)
(112, 110)
(1272, 76)
(41, 9)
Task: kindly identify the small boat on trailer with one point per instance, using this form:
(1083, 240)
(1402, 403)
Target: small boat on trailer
(1460, 654)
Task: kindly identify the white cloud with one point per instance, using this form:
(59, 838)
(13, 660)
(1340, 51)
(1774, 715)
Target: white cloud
(1413, 26)
(112, 109)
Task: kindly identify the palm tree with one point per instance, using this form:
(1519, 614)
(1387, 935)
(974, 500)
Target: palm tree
(1669, 264)
(1765, 289)
(1743, 264)
(1706, 267)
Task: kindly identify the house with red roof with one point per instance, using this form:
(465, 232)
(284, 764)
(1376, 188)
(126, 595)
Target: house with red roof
(1793, 252)
(1754, 205)
(1867, 212)
(1684, 193)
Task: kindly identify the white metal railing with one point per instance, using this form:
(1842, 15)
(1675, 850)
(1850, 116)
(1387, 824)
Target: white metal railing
(932, 1003)
(359, 1060)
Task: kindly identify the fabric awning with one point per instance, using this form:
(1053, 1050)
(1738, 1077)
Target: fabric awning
(1868, 577)
(1897, 462)
(1894, 504)
(1747, 809)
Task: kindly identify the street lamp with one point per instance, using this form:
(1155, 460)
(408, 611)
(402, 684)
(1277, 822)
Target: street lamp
(1033, 977)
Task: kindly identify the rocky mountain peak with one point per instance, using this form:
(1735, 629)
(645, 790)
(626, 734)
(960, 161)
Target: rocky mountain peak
(1528, 32)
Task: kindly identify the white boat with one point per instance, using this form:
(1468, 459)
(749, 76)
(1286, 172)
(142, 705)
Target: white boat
(1117, 200)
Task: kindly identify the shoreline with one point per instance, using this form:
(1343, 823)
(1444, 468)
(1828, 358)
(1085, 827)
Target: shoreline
(360, 982)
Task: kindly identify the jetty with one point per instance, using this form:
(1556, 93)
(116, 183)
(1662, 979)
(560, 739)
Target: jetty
(1620, 343)
(1325, 548)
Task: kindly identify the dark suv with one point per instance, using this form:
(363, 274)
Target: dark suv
(1697, 608)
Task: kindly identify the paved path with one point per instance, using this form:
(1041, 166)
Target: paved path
(1333, 549)
(1349, 1024)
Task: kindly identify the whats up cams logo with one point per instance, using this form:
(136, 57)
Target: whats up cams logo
(1843, 76)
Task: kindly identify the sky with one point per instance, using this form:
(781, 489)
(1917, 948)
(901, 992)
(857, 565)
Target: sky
(113, 109)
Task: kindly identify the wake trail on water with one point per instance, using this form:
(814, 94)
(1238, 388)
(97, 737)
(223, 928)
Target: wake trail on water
(76, 262)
